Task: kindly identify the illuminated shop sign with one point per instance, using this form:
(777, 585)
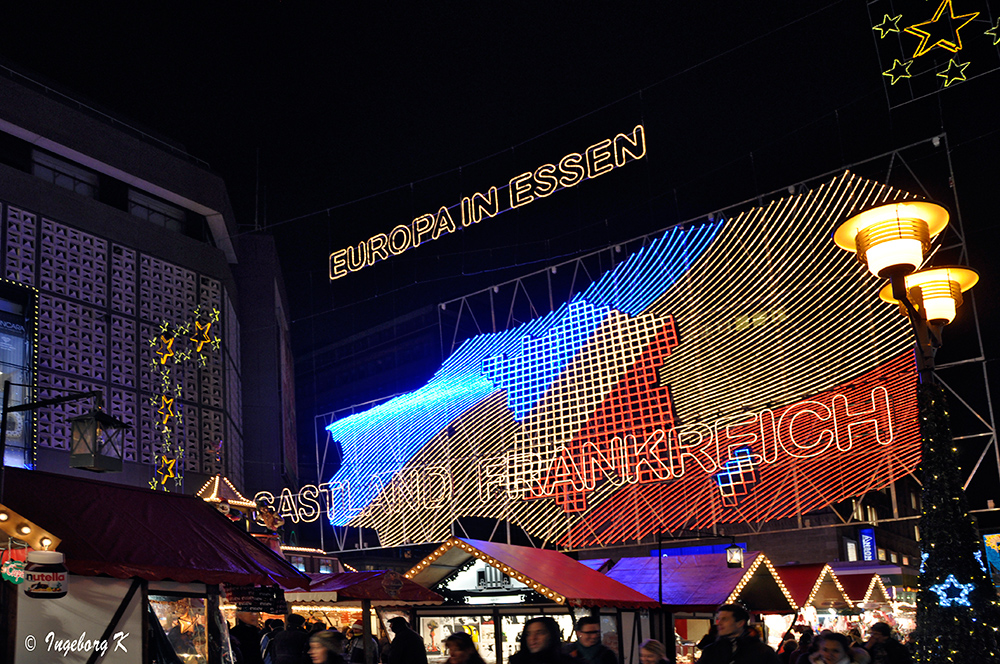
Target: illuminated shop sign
(696, 383)
(868, 550)
(576, 167)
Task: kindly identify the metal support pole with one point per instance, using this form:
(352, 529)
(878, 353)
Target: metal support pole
(3, 434)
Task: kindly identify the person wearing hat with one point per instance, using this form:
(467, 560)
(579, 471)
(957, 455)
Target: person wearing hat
(407, 647)
(356, 646)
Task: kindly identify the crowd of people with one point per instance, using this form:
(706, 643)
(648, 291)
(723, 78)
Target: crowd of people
(295, 641)
(732, 640)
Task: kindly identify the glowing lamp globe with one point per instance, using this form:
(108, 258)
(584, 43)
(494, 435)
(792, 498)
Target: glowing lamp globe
(937, 292)
(892, 238)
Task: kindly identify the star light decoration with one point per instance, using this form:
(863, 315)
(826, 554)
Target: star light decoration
(952, 592)
(174, 346)
(940, 29)
(954, 72)
(919, 33)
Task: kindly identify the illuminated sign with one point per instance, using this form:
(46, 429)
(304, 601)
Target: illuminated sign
(868, 548)
(694, 384)
(576, 167)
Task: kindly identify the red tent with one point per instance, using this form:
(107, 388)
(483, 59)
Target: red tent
(124, 532)
(549, 573)
(381, 587)
(814, 585)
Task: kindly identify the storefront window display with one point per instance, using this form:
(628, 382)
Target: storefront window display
(184, 619)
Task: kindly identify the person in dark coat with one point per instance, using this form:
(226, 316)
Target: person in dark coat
(406, 647)
(290, 645)
(588, 646)
(883, 648)
(734, 645)
(247, 633)
(540, 644)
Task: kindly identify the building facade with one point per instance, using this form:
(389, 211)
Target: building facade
(119, 276)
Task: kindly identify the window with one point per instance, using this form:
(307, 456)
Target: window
(906, 561)
(63, 174)
(299, 563)
(325, 565)
(916, 533)
(852, 550)
(872, 514)
(858, 510)
(881, 555)
(893, 557)
(158, 212)
(914, 500)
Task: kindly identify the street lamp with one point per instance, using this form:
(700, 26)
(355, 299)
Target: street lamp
(956, 605)
(892, 240)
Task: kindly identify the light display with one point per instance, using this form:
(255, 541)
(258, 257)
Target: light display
(913, 36)
(941, 31)
(704, 380)
(572, 169)
(952, 592)
(954, 72)
(175, 346)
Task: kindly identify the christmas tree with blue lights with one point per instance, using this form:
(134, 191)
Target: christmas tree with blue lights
(957, 607)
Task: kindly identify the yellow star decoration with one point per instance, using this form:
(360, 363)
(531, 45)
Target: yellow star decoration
(214, 316)
(899, 70)
(166, 349)
(166, 409)
(201, 335)
(953, 42)
(994, 32)
(888, 24)
(165, 469)
(153, 484)
(954, 72)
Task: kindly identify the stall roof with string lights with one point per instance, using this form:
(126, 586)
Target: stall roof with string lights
(865, 590)
(703, 582)
(553, 575)
(128, 532)
(815, 585)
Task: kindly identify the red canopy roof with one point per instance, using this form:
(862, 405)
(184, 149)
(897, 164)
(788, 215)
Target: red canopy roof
(550, 573)
(704, 582)
(381, 586)
(124, 532)
(814, 585)
(864, 588)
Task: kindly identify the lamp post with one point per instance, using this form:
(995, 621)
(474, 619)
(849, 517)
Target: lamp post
(956, 603)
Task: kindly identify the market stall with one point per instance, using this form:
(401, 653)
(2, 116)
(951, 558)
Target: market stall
(492, 589)
(341, 598)
(144, 574)
(822, 601)
(691, 587)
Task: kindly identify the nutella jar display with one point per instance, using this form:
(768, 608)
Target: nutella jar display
(45, 576)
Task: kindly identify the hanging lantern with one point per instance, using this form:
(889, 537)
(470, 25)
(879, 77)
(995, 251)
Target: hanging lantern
(97, 442)
(892, 238)
(734, 555)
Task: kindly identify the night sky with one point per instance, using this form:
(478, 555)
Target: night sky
(330, 124)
